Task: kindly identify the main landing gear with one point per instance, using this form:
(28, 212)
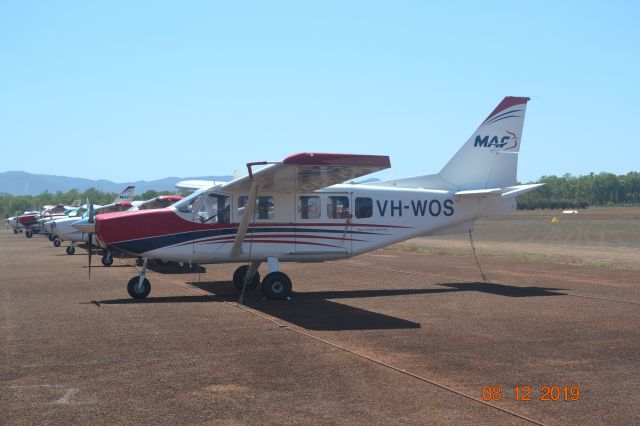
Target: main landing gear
(276, 285)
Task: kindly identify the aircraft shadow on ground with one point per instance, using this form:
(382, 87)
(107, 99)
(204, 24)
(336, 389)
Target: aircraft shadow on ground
(504, 289)
(176, 269)
(315, 311)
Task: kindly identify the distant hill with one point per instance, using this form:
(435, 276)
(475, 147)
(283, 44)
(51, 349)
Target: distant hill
(23, 183)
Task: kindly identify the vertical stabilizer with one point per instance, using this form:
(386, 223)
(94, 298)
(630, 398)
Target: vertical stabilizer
(489, 158)
(126, 195)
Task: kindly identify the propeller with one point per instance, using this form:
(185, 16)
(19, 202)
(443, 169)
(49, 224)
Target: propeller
(91, 220)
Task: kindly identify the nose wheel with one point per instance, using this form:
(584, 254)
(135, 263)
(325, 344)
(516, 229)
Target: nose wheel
(71, 250)
(107, 259)
(139, 286)
(57, 242)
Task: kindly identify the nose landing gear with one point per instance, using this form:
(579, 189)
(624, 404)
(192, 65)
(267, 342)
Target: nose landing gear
(139, 287)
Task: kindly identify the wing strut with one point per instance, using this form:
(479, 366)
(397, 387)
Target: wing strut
(236, 249)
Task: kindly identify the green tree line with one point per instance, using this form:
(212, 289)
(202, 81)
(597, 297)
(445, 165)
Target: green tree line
(602, 189)
(10, 204)
(560, 192)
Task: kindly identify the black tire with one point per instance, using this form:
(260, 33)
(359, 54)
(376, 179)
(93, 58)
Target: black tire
(238, 279)
(138, 293)
(139, 261)
(29, 233)
(71, 250)
(15, 231)
(57, 242)
(51, 238)
(107, 260)
(276, 286)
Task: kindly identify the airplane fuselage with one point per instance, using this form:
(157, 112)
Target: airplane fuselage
(337, 222)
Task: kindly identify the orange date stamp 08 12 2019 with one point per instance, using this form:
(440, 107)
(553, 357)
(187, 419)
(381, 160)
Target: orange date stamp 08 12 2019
(529, 393)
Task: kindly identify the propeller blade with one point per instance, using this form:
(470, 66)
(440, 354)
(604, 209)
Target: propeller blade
(90, 252)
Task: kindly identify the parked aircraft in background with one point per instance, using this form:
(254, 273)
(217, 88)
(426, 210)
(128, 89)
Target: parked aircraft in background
(294, 211)
(66, 232)
(63, 224)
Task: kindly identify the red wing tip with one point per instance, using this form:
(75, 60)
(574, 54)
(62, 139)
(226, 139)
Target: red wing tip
(172, 198)
(333, 159)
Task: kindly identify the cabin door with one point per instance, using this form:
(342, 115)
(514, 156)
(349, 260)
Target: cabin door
(323, 223)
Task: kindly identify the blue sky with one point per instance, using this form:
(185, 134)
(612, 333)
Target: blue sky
(149, 89)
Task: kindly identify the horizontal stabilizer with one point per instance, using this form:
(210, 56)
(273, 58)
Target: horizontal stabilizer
(509, 191)
(513, 191)
(478, 192)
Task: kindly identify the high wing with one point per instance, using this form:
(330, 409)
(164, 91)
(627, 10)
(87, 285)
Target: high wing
(308, 171)
(159, 202)
(304, 172)
(196, 184)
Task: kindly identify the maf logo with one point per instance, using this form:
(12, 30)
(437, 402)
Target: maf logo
(496, 142)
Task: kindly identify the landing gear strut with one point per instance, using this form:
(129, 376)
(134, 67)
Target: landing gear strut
(139, 287)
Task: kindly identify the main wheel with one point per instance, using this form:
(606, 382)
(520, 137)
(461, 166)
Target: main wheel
(107, 260)
(138, 291)
(57, 242)
(15, 231)
(29, 233)
(276, 286)
(71, 250)
(238, 279)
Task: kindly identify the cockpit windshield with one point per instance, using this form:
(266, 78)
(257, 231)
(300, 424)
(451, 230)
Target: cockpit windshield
(207, 207)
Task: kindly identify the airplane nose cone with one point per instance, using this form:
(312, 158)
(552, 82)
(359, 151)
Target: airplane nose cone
(83, 225)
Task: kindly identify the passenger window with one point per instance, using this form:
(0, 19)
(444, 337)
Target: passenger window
(309, 207)
(364, 207)
(338, 207)
(265, 207)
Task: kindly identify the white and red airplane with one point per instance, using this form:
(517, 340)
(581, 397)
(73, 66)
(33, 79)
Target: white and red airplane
(295, 211)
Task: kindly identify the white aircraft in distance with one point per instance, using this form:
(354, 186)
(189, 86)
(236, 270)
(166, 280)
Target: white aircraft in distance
(62, 230)
(295, 211)
(66, 232)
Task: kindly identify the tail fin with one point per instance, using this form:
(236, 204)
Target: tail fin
(126, 195)
(489, 159)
